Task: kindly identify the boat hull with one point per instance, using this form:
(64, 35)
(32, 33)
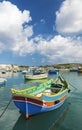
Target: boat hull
(47, 96)
(30, 106)
(53, 71)
(35, 109)
(35, 77)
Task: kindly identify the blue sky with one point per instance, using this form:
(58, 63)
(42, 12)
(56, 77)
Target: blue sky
(36, 32)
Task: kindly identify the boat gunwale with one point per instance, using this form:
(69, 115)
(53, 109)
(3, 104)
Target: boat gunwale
(43, 94)
(13, 90)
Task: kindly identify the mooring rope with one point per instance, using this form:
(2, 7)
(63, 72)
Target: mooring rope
(6, 108)
(52, 126)
(70, 83)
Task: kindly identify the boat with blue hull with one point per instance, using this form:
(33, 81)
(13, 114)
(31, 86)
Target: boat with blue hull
(53, 71)
(47, 96)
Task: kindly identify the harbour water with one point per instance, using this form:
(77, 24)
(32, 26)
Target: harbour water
(67, 117)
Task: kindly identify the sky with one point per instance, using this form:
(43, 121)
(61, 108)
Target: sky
(37, 32)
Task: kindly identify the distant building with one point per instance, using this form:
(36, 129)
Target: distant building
(8, 67)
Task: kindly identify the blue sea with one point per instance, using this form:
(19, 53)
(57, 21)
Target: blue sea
(67, 117)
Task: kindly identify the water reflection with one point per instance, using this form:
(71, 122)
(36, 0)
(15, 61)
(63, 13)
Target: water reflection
(2, 86)
(79, 74)
(42, 121)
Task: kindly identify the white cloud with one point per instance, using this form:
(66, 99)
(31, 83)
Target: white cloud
(12, 34)
(61, 49)
(25, 47)
(69, 17)
(42, 21)
(15, 38)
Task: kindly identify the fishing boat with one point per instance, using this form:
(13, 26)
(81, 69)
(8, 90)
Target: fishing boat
(45, 97)
(53, 71)
(74, 69)
(36, 76)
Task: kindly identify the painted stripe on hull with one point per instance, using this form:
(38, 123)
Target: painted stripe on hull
(52, 98)
(38, 102)
(32, 109)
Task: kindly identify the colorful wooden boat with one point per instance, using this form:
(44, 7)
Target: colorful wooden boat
(37, 76)
(47, 96)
